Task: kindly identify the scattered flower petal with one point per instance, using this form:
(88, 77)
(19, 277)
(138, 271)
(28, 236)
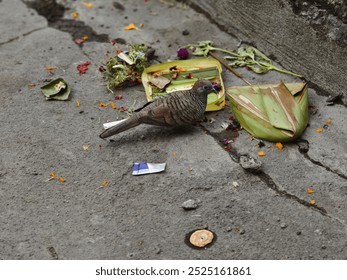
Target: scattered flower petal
(32, 85)
(88, 5)
(141, 25)
(319, 130)
(50, 68)
(328, 121)
(279, 145)
(77, 103)
(123, 109)
(100, 104)
(85, 147)
(52, 176)
(85, 38)
(82, 68)
(113, 106)
(104, 183)
(79, 41)
(174, 76)
(118, 97)
(310, 190)
(261, 153)
(131, 26)
(74, 15)
(312, 202)
(189, 76)
(61, 179)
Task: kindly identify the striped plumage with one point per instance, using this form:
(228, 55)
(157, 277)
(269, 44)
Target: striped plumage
(179, 108)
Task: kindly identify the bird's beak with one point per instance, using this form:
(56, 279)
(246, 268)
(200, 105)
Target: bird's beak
(214, 90)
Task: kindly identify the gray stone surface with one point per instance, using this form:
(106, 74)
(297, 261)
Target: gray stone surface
(266, 215)
(304, 36)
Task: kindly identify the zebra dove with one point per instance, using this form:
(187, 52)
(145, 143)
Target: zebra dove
(178, 108)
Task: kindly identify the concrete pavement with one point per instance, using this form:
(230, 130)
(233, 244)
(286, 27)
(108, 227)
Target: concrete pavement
(254, 216)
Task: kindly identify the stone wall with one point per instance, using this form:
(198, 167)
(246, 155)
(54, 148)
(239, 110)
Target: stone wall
(308, 37)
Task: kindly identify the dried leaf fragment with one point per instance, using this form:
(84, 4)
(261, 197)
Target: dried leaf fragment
(261, 153)
(201, 238)
(131, 26)
(319, 130)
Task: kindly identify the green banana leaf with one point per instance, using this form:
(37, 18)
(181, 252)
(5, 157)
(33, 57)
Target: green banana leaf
(205, 68)
(274, 112)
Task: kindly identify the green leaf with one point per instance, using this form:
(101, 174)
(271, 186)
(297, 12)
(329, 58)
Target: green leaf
(275, 112)
(58, 89)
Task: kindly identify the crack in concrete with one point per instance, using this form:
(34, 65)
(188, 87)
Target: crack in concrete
(318, 163)
(23, 35)
(272, 185)
(54, 12)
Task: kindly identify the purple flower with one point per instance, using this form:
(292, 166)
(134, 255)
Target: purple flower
(183, 53)
(217, 86)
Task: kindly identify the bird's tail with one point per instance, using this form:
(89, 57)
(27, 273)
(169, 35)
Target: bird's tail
(120, 127)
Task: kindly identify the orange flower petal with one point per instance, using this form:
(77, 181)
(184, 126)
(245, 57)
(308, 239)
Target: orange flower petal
(279, 146)
(78, 103)
(74, 15)
(88, 5)
(141, 25)
(104, 183)
(310, 190)
(312, 202)
(61, 179)
(50, 68)
(100, 104)
(328, 121)
(319, 130)
(85, 38)
(113, 106)
(261, 153)
(131, 26)
(52, 174)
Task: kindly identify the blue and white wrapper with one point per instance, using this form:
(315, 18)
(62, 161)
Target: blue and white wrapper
(141, 168)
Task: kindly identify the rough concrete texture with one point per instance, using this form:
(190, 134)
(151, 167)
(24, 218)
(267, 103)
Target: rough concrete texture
(265, 215)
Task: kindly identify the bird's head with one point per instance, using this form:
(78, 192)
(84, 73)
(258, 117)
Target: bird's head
(203, 87)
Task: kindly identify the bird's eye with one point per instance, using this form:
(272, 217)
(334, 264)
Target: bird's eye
(205, 87)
